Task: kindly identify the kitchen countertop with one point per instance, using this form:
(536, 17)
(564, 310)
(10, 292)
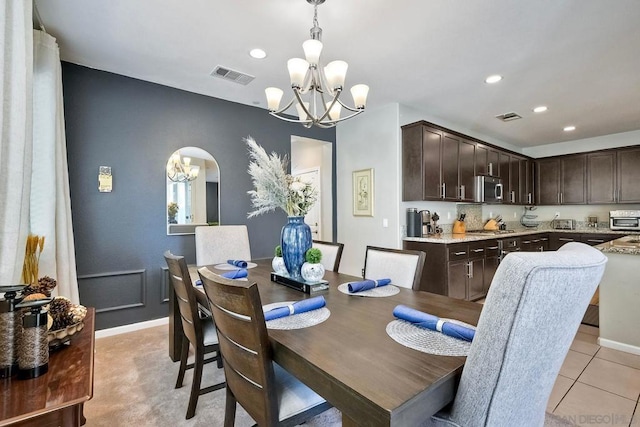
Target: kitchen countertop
(448, 238)
(629, 244)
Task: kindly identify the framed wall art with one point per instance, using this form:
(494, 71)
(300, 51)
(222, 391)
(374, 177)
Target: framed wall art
(363, 192)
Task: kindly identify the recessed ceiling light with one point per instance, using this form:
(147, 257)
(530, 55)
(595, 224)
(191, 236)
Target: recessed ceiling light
(493, 79)
(569, 128)
(258, 53)
(540, 109)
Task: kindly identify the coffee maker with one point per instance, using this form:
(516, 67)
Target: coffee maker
(425, 219)
(414, 224)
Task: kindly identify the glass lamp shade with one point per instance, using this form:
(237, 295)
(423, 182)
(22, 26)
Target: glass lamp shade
(312, 49)
(334, 113)
(359, 93)
(336, 72)
(298, 68)
(193, 173)
(274, 96)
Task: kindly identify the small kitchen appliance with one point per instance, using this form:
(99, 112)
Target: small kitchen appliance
(624, 220)
(563, 224)
(425, 219)
(414, 223)
(488, 189)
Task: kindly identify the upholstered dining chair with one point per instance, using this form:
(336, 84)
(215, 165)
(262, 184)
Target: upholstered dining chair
(529, 319)
(403, 267)
(271, 395)
(218, 243)
(201, 334)
(331, 254)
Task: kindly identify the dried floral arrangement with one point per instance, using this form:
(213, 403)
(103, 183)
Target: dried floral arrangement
(33, 249)
(274, 187)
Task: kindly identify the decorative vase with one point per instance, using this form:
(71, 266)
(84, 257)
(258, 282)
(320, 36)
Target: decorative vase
(295, 241)
(278, 265)
(312, 272)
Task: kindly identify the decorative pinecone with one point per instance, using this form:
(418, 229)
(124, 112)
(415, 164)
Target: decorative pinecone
(60, 310)
(77, 313)
(44, 286)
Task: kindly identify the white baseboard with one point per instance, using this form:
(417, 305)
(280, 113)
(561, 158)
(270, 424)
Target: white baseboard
(132, 327)
(627, 348)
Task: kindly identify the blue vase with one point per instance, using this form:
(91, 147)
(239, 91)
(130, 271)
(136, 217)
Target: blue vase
(295, 241)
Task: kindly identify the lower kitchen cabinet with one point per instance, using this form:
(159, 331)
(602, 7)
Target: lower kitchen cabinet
(558, 239)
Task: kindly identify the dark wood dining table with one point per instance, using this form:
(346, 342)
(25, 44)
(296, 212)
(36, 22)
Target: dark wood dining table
(351, 361)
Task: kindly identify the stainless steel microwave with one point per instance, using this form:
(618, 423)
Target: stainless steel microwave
(488, 189)
(624, 220)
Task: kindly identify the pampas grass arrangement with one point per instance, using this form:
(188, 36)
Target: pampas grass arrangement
(33, 249)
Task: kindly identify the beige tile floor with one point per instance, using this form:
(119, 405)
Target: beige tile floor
(597, 385)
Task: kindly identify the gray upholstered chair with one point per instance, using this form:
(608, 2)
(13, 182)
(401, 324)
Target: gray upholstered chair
(218, 243)
(530, 318)
(403, 267)
(271, 395)
(331, 254)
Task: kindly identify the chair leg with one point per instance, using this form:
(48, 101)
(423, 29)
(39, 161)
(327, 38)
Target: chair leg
(195, 385)
(219, 359)
(184, 355)
(230, 409)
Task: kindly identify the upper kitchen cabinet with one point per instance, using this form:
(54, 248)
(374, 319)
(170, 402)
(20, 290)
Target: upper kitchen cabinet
(561, 180)
(526, 182)
(487, 160)
(437, 165)
(628, 175)
(601, 177)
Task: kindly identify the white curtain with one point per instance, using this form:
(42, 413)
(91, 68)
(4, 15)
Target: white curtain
(16, 70)
(34, 181)
(50, 201)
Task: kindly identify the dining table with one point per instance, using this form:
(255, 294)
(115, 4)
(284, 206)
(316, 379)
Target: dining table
(350, 360)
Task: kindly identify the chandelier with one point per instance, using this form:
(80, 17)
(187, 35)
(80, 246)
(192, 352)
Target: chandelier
(316, 88)
(181, 170)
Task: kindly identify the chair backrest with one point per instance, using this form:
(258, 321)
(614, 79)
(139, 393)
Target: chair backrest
(331, 254)
(244, 344)
(185, 295)
(218, 243)
(403, 267)
(529, 319)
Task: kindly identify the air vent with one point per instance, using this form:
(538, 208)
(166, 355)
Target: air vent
(232, 75)
(507, 117)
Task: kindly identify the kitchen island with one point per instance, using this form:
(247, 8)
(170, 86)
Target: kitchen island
(620, 295)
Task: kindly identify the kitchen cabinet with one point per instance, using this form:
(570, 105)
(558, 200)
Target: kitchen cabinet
(561, 180)
(601, 177)
(436, 165)
(556, 240)
(487, 160)
(505, 177)
(526, 196)
(534, 243)
(491, 262)
(628, 175)
(594, 239)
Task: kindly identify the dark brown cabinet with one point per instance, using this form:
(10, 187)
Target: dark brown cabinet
(487, 160)
(526, 196)
(594, 239)
(562, 180)
(437, 165)
(557, 240)
(601, 177)
(628, 175)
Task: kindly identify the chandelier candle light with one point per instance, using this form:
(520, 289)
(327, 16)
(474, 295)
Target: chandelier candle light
(316, 89)
(181, 170)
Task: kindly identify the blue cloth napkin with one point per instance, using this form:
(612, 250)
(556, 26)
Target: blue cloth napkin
(237, 262)
(295, 308)
(429, 321)
(367, 284)
(235, 274)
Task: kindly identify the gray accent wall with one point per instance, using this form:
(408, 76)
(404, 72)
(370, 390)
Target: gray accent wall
(134, 126)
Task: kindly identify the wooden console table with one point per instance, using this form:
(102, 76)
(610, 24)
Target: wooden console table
(57, 397)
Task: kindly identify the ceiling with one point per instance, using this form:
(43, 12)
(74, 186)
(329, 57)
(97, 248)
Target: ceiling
(580, 58)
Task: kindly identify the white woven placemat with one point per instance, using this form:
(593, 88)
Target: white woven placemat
(382, 291)
(296, 321)
(426, 340)
(227, 266)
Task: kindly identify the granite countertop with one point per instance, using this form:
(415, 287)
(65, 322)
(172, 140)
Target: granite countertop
(629, 245)
(448, 238)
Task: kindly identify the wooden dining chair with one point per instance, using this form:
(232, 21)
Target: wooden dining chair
(218, 243)
(403, 267)
(331, 254)
(201, 334)
(529, 320)
(271, 395)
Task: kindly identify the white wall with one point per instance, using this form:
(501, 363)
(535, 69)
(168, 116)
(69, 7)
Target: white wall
(368, 141)
(589, 144)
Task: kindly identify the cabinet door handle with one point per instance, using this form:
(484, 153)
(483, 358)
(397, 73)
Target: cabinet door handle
(462, 192)
(595, 240)
(529, 198)
(460, 253)
(564, 239)
(478, 250)
(561, 198)
(492, 247)
(444, 190)
(470, 270)
(513, 197)
(490, 168)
